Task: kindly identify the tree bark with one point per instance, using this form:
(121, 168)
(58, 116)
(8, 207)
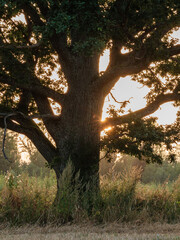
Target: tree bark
(79, 130)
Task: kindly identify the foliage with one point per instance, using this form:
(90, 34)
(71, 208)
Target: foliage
(142, 138)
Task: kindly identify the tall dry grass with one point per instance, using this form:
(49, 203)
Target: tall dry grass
(123, 198)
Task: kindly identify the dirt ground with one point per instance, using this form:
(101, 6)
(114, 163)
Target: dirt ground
(91, 232)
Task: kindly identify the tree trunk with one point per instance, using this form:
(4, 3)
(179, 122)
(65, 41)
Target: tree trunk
(79, 129)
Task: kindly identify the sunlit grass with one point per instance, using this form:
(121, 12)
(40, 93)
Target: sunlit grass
(123, 198)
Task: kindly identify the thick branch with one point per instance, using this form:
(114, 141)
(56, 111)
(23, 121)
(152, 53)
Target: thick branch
(172, 51)
(150, 50)
(24, 101)
(43, 105)
(59, 43)
(30, 117)
(12, 46)
(129, 64)
(45, 109)
(38, 138)
(34, 88)
(10, 124)
(43, 6)
(32, 12)
(149, 109)
(31, 130)
(33, 85)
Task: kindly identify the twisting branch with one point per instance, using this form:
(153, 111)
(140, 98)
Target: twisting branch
(115, 98)
(32, 12)
(131, 64)
(149, 109)
(7, 115)
(124, 102)
(105, 155)
(48, 116)
(4, 138)
(26, 126)
(36, 88)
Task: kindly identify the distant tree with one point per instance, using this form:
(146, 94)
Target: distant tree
(35, 164)
(159, 174)
(34, 156)
(119, 164)
(71, 36)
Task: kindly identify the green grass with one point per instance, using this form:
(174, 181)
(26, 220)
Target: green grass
(123, 198)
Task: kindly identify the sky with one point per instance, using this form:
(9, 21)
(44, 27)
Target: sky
(126, 89)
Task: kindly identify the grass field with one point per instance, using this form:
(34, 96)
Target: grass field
(90, 232)
(122, 199)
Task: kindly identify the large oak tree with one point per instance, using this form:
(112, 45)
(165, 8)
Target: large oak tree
(69, 37)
